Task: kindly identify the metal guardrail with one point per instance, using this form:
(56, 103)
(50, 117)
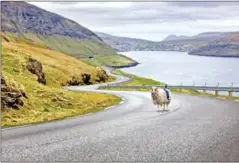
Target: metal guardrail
(203, 88)
(188, 87)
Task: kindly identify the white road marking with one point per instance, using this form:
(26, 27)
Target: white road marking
(110, 107)
(121, 102)
(222, 98)
(15, 127)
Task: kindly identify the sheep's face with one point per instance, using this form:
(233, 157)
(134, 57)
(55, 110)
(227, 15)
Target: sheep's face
(154, 90)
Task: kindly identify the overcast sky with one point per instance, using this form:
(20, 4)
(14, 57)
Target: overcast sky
(149, 20)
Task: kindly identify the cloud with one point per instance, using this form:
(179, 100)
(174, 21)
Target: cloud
(149, 20)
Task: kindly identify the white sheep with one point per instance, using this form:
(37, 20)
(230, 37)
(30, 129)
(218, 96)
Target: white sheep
(159, 97)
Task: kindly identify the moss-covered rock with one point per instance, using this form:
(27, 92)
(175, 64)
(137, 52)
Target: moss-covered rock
(10, 96)
(102, 75)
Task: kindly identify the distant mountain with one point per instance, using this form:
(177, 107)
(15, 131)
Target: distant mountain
(57, 32)
(134, 44)
(208, 43)
(175, 37)
(124, 43)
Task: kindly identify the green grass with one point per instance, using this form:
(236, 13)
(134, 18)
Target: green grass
(47, 102)
(82, 48)
(111, 60)
(137, 80)
(77, 47)
(140, 81)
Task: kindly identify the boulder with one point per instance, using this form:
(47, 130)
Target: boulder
(35, 67)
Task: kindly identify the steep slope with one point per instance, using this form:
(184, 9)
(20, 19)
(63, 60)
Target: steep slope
(32, 19)
(32, 80)
(55, 31)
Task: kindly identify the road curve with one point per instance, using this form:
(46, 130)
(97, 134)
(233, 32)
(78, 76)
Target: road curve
(203, 129)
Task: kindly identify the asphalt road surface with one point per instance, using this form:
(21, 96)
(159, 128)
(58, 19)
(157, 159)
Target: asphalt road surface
(194, 129)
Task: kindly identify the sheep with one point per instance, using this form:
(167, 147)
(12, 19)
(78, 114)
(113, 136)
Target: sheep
(159, 97)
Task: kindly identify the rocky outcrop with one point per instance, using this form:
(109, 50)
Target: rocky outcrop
(35, 67)
(11, 97)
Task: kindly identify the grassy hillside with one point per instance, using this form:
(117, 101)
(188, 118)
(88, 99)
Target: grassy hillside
(82, 49)
(50, 101)
(73, 46)
(78, 48)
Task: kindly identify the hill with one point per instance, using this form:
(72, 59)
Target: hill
(55, 31)
(32, 81)
(124, 43)
(225, 46)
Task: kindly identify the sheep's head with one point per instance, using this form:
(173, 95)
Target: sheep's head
(154, 90)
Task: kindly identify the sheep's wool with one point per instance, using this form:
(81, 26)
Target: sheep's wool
(159, 97)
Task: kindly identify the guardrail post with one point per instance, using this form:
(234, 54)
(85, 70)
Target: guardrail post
(230, 94)
(205, 91)
(216, 91)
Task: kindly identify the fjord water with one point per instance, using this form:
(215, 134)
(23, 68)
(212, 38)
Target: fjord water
(179, 67)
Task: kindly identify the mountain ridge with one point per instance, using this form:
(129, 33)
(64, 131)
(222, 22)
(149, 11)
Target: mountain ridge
(201, 42)
(174, 37)
(33, 19)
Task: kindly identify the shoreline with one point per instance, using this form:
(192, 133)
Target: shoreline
(124, 66)
(218, 56)
(204, 55)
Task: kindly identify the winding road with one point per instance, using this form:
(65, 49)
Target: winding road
(195, 129)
